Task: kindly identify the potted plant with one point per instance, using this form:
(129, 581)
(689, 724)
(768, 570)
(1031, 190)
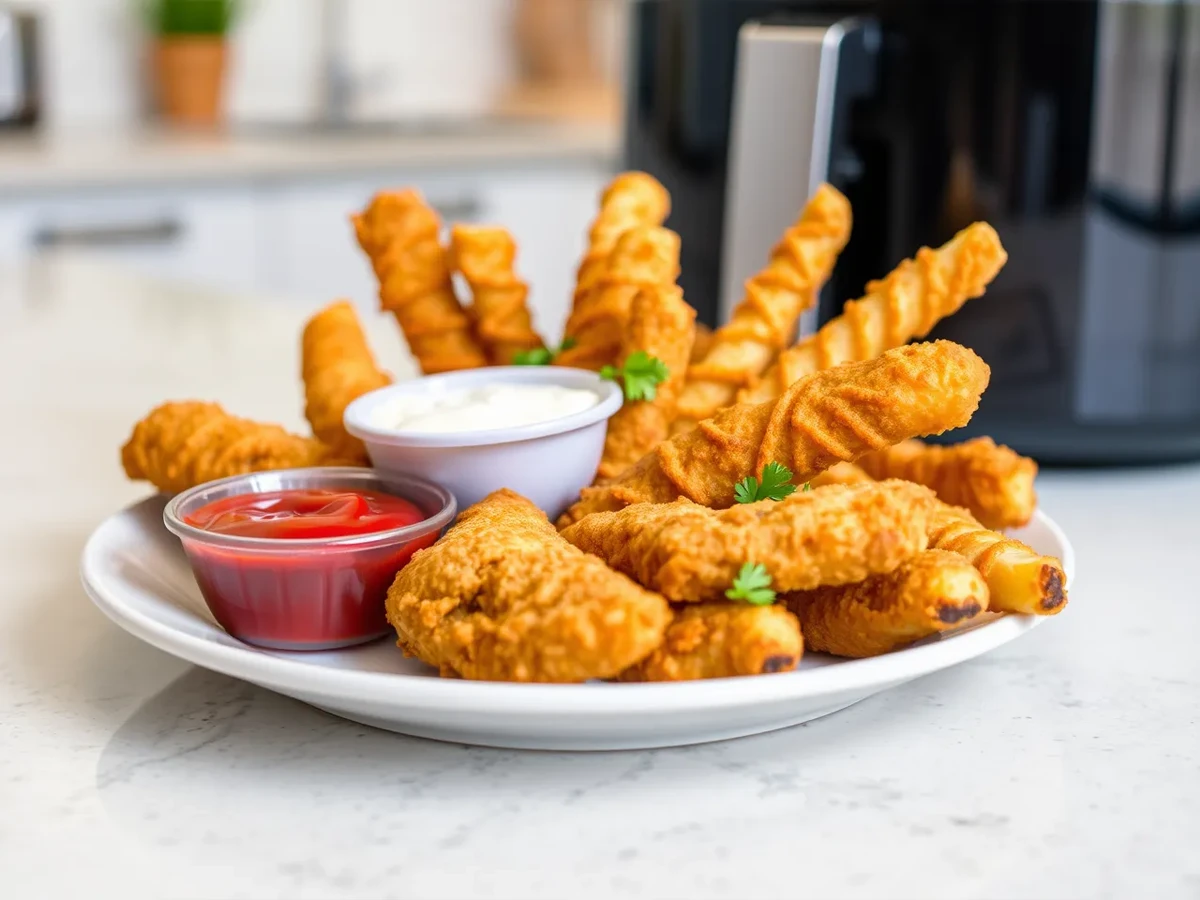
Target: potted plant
(188, 57)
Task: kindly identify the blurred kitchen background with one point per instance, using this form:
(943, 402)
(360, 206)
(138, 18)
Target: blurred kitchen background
(225, 143)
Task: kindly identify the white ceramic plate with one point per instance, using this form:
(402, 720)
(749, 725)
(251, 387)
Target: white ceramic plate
(136, 573)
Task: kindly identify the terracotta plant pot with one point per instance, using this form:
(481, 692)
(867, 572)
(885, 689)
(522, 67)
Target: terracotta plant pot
(189, 73)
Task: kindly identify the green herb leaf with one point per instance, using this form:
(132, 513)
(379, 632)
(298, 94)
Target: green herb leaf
(541, 356)
(641, 374)
(538, 356)
(807, 486)
(775, 485)
(752, 585)
(746, 490)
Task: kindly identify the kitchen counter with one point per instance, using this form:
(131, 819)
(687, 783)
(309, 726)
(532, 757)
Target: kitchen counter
(146, 157)
(1062, 765)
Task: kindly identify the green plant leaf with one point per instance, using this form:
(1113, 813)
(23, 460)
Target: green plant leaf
(752, 585)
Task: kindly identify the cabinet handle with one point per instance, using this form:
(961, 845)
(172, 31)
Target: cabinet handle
(162, 231)
(463, 210)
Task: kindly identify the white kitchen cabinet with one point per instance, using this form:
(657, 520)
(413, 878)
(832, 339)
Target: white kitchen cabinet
(208, 235)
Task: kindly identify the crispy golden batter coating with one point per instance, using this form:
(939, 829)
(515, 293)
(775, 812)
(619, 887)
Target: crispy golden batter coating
(485, 255)
(660, 324)
(929, 593)
(501, 597)
(338, 368)
(904, 305)
(631, 200)
(701, 343)
(765, 320)
(399, 232)
(831, 535)
(722, 640)
(1020, 579)
(830, 416)
(993, 482)
(643, 258)
(183, 444)
(840, 473)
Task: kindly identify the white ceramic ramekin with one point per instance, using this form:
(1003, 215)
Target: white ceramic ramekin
(548, 462)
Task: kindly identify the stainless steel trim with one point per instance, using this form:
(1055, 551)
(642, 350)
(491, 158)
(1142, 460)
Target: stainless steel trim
(785, 87)
(162, 231)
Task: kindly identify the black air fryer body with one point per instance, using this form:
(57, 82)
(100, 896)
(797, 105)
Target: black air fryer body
(1072, 126)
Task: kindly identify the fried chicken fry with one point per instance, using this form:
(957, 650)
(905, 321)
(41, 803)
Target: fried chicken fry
(905, 305)
(701, 343)
(722, 640)
(338, 368)
(485, 256)
(840, 473)
(835, 415)
(927, 594)
(765, 320)
(643, 258)
(1020, 580)
(660, 324)
(831, 535)
(631, 200)
(501, 597)
(180, 445)
(399, 232)
(993, 482)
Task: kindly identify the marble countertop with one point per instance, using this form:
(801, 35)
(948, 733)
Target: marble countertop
(1065, 764)
(143, 157)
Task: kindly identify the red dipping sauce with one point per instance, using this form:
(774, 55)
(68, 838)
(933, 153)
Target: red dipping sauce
(304, 568)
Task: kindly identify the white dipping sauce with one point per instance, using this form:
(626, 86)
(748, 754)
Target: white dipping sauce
(487, 407)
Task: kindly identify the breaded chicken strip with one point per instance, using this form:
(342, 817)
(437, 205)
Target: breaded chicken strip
(182, 444)
(399, 231)
(831, 416)
(993, 482)
(840, 473)
(486, 257)
(722, 640)
(831, 535)
(338, 368)
(764, 322)
(501, 597)
(1020, 579)
(660, 325)
(701, 343)
(643, 258)
(906, 304)
(631, 200)
(931, 592)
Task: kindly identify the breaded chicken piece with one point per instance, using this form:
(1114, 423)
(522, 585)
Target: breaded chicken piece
(906, 304)
(631, 200)
(840, 473)
(764, 322)
(831, 535)
(993, 482)
(1019, 579)
(501, 597)
(182, 444)
(723, 640)
(643, 258)
(929, 593)
(701, 343)
(399, 231)
(831, 416)
(337, 368)
(660, 325)
(486, 257)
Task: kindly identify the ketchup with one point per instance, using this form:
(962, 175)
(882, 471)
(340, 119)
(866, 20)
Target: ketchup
(305, 514)
(304, 596)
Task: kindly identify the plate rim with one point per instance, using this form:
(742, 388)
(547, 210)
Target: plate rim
(290, 673)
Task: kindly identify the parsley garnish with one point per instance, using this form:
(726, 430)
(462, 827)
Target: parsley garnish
(775, 485)
(541, 356)
(752, 585)
(641, 375)
(807, 486)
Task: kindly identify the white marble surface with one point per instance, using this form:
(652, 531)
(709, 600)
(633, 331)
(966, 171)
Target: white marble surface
(1064, 765)
(71, 160)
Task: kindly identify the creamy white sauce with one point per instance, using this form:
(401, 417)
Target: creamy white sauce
(486, 407)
